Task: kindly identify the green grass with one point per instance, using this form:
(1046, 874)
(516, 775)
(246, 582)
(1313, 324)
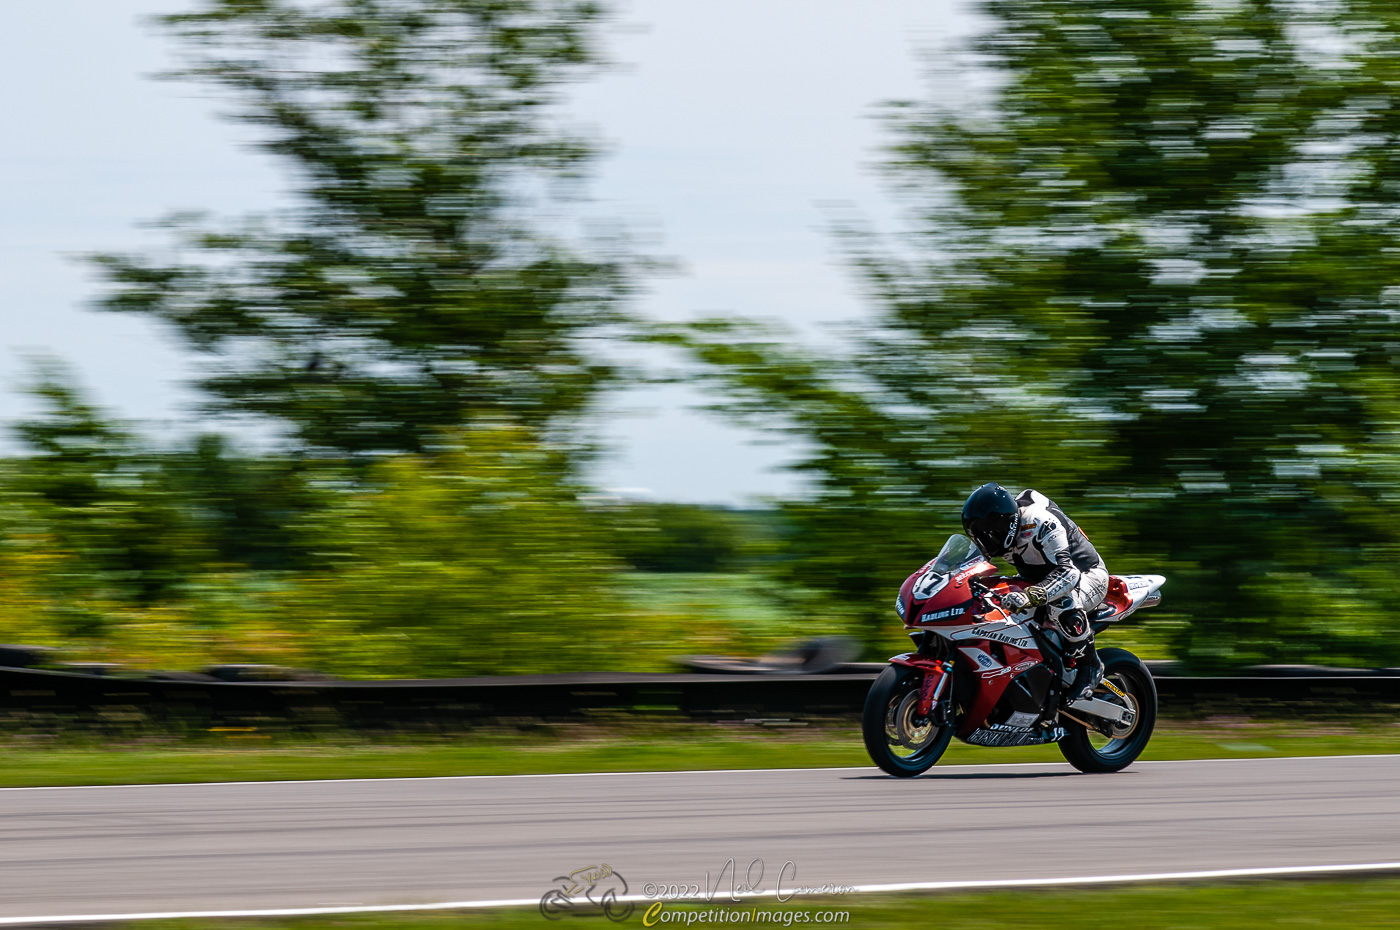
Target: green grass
(1300, 904)
(254, 757)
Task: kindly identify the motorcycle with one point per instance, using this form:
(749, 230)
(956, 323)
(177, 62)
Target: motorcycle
(990, 679)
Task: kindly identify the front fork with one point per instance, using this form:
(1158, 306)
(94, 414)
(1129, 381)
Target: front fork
(937, 675)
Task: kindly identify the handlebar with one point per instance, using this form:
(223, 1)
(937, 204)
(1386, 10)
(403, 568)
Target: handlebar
(983, 593)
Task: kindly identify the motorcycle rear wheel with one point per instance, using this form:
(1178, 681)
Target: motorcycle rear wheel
(1090, 750)
(896, 740)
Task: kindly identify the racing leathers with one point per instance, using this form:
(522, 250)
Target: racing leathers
(1066, 576)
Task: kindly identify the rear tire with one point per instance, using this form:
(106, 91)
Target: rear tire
(880, 724)
(1088, 749)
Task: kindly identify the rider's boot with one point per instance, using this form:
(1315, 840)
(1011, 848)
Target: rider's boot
(1080, 654)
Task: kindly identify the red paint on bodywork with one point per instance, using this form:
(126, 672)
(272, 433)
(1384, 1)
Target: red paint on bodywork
(990, 685)
(914, 660)
(1118, 597)
(954, 599)
(955, 605)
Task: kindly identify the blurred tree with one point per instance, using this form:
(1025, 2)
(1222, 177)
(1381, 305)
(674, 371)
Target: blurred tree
(468, 561)
(248, 507)
(102, 502)
(442, 563)
(878, 503)
(77, 442)
(1096, 234)
(670, 537)
(415, 284)
(1151, 276)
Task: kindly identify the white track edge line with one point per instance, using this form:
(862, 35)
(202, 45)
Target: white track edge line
(820, 768)
(1133, 878)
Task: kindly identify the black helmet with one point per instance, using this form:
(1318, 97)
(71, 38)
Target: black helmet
(991, 518)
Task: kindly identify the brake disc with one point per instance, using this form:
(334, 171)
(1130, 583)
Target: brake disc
(911, 733)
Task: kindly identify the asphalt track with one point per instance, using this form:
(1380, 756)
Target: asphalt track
(247, 846)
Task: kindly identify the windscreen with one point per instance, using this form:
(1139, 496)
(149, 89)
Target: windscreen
(956, 552)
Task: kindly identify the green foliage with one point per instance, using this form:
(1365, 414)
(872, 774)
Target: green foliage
(412, 287)
(467, 561)
(104, 505)
(421, 284)
(474, 559)
(1151, 277)
(248, 508)
(1151, 274)
(668, 537)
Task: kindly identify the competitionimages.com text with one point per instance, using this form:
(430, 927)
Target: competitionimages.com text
(658, 914)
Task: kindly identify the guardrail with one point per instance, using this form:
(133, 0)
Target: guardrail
(36, 699)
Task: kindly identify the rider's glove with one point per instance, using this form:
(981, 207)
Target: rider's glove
(1014, 602)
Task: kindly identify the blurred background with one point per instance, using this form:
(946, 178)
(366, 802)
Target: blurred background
(367, 339)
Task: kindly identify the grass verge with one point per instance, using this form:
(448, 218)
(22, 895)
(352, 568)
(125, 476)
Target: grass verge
(256, 757)
(1351, 904)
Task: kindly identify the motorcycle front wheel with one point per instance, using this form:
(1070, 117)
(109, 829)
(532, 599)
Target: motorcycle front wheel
(898, 740)
(1115, 747)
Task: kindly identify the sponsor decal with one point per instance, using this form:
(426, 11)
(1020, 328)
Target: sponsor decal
(1018, 668)
(899, 606)
(971, 570)
(1001, 735)
(929, 584)
(1004, 634)
(945, 614)
(1046, 528)
(1137, 581)
(986, 661)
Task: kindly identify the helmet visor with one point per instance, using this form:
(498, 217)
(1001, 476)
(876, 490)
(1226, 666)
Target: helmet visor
(991, 533)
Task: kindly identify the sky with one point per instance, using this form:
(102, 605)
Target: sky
(731, 129)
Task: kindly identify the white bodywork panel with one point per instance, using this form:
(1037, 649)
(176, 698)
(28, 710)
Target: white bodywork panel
(1144, 591)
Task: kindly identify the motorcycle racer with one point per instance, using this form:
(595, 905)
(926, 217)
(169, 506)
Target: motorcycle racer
(1067, 577)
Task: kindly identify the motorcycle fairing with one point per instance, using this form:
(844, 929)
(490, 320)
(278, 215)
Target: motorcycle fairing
(1126, 595)
(939, 590)
(951, 615)
(994, 677)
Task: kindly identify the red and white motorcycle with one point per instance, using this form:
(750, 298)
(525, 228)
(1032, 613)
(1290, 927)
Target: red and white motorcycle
(983, 676)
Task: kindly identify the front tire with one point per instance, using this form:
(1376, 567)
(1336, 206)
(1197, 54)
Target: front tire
(898, 742)
(1094, 751)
